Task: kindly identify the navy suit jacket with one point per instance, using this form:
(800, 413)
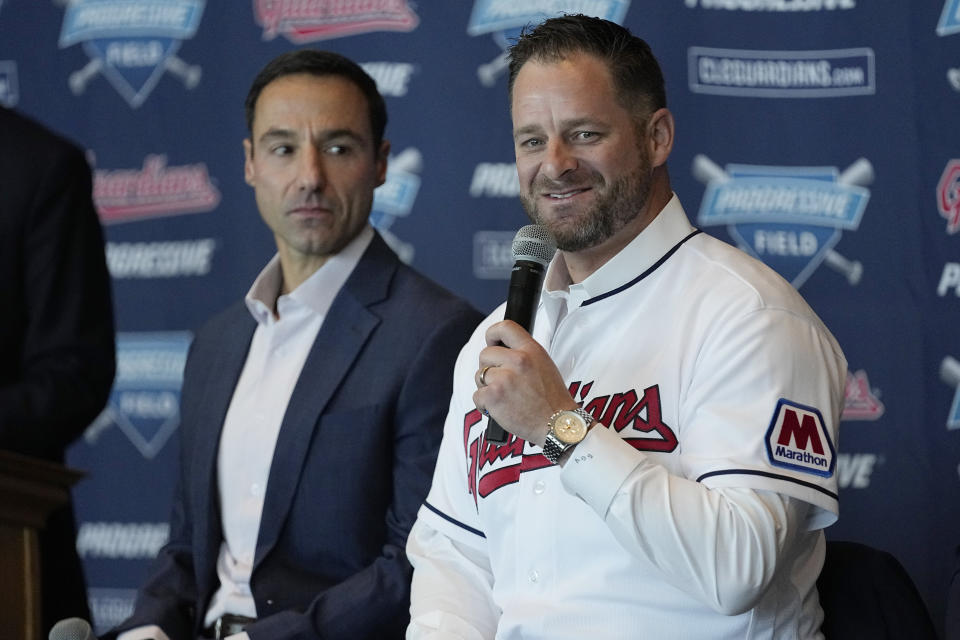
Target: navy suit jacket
(56, 329)
(352, 465)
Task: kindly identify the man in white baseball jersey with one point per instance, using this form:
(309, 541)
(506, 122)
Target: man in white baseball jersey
(673, 416)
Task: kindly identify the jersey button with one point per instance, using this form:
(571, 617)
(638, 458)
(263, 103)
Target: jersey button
(534, 576)
(539, 487)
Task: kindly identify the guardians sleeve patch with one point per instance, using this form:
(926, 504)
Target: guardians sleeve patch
(797, 439)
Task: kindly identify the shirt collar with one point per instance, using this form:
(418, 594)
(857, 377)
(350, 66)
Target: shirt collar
(668, 228)
(316, 292)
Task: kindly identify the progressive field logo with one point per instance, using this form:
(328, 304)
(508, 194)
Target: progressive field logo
(145, 401)
(132, 43)
(505, 19)
(949, 19)
(797, 439)
(788, 217)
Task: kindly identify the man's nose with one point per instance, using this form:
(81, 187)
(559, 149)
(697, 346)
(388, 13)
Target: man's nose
(310, 173)
(559, 159)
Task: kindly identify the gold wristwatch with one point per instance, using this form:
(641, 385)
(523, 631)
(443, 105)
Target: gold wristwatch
(566, 429)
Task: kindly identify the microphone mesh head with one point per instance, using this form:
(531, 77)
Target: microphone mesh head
(534, 243)
(71, 629)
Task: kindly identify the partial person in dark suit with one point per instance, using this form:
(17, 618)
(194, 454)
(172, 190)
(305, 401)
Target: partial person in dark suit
(311, 413)
(56, 332)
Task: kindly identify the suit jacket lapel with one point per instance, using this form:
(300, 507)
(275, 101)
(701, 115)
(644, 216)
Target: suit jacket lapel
(221, 380)
(345, 330)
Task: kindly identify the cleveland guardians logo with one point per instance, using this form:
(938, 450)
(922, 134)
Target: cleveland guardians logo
(860, 402)
(788, 217)
(301, 21)
(948, 195)
(505, 19)
(797, 439)
(634, 414)
(155, 190)
(132, 43)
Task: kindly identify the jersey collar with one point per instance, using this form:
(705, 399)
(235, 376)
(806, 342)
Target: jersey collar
(667, 230)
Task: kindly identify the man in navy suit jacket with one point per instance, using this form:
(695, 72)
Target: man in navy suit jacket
(311, 413)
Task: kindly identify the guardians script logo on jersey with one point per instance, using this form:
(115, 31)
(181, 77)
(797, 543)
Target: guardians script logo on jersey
(132, 43)
(948, 195)
(781, 74)
(635, 415)
(797, 439)
(145, 400)
(155, 190)
(949, 19)
(9, 89)
(301, 21)
(788, 217)
(504, 19)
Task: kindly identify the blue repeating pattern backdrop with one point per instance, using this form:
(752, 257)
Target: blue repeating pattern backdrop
(819, 135)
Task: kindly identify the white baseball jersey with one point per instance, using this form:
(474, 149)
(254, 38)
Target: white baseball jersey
(695, 510)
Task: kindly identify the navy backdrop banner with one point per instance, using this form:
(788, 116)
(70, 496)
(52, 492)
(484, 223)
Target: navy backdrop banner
(818, 135)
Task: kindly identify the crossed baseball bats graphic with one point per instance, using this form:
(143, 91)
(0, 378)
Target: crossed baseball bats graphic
(859, 173)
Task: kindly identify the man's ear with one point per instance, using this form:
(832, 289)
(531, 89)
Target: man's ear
(660, 136)
(249, 174)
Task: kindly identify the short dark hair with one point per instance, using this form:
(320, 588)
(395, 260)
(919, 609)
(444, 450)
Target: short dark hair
(637, 77)
(321, 63)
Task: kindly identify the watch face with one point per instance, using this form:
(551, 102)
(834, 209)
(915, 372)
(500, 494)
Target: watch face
(570, 428)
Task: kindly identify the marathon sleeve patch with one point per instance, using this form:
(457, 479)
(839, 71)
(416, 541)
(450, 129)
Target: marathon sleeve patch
(798, 440)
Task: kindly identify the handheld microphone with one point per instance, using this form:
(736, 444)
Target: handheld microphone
(533, 248)
(71, 629)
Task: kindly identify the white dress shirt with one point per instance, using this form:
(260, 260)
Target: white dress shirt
(280, 345)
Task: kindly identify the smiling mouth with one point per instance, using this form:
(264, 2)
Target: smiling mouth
(564, 195)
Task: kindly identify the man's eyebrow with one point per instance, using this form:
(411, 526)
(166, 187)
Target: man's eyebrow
(325, 136)
(565, 125)
(333, 134)
(527, 130)
(276, 134)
